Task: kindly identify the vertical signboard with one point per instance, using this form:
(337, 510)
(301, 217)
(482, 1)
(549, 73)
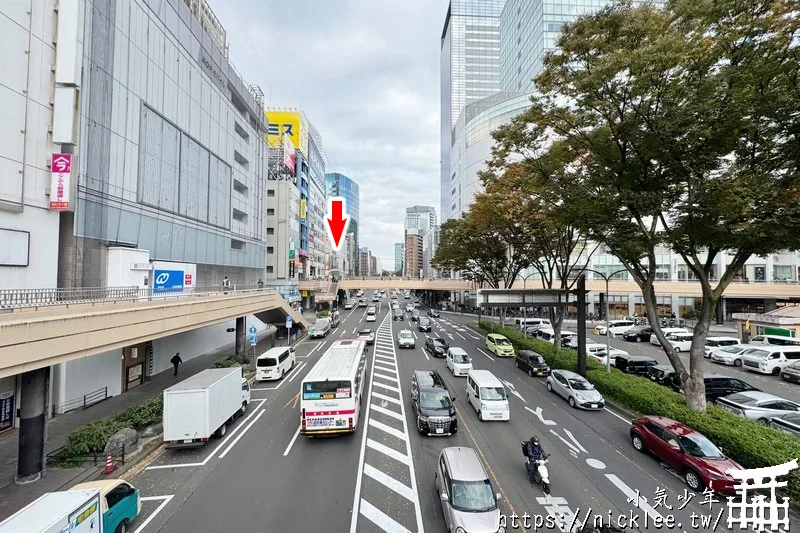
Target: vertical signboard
(6, 410)
(289, 155)
(60, 183)
(303, 209)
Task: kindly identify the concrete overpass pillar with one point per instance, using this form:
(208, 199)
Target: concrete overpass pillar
(719, 312)
(241, 336)
(770, 304)
(32, 425)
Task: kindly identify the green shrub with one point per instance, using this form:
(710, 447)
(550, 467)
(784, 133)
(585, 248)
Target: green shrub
(747, 442)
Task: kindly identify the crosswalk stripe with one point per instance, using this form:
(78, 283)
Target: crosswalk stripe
(381, 519)
(387, 398)
(388, 429)
(387, 412)
(387, 387)
(392, 483)
(385, 376)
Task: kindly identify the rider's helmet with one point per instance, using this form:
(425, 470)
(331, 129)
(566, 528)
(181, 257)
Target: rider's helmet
(535, 440)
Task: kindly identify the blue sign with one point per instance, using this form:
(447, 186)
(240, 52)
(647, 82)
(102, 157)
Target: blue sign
(288, 322)
(253, 330)
(253, 340)
(167, 281)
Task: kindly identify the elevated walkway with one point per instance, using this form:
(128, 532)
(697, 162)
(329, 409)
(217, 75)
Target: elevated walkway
(38, 331)
(778, 290)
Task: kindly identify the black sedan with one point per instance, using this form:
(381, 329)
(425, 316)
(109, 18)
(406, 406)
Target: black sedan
(436, 346)
(423, 323)
(638, 334)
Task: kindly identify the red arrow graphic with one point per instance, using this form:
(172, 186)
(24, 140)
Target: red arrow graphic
(337, 220)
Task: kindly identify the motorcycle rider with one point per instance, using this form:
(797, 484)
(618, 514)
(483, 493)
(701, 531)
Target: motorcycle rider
(535, 452)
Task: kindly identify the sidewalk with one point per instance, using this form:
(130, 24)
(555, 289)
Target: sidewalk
(13, 497)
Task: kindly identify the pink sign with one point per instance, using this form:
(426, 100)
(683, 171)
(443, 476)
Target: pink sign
(289, 155)
(60, 186)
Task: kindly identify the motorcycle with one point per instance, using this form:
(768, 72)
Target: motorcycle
(538, 475)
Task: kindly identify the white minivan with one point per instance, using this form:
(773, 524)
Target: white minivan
(617, 327)
(667, 332)
(371, 314)
(487, 395)
(275, 363)
(458, 361)
(522, 323)
(769, 359)
(775, 340)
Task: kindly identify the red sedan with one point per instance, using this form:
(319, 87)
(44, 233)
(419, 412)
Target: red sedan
(687, 451)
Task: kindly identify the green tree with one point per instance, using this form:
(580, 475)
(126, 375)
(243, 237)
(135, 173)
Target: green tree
(679, 130)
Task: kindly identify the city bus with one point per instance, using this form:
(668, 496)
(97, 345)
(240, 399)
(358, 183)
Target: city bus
(331, 393)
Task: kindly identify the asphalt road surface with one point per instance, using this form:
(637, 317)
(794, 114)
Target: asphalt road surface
(264, 477)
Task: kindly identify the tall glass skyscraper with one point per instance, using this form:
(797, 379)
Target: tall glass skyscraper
(340, 185)
(470, 69)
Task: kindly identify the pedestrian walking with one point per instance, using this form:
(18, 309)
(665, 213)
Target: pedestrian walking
(260, 285)
(176, 361)
(226, 284)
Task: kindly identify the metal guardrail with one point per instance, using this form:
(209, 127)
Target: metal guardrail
(82, 402)
(60, 458)
(11, 299)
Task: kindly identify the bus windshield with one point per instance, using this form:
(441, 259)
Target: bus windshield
(326, 390)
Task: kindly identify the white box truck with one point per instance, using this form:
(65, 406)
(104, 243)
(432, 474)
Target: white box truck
(73, 511)
(204, 405)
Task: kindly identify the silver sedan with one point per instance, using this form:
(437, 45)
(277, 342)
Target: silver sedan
(575, 389)
(756, 405)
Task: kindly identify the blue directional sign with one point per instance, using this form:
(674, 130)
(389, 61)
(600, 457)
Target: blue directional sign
(288, 322)
(253, 330)
(253, 340)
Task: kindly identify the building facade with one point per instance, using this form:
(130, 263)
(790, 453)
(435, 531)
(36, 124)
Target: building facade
(472, 145)
(363, 262)
(430, 241)
(337, 184)
(413, 258)
(469, 58)
(398, 258)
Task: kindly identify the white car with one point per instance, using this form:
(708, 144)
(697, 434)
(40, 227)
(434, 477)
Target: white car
(730, 355)
(682, 342)
(405, 339)
(715, 343)
(409, 308)
(618, 327)
(458, 361)
(666, 332)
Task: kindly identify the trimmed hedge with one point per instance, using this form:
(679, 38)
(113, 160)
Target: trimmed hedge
(746, 441)
(93, 437)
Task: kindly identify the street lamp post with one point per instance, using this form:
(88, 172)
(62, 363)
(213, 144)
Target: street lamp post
(608, 329)
(525, 307)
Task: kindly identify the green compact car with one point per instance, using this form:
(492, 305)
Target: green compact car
(119, 502)
(499, 345)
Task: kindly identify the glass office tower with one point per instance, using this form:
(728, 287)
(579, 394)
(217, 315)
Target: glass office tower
(470, 69)
(340, 185)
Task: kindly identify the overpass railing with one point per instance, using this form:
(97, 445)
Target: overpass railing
(11, 299)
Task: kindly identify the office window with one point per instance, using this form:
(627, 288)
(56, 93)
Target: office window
(270, 211)
(270, 270)
(270, 231)
(241, 131)
(236, 244)
(240, 187)
(270, 250)
(239, 216)
(270, 193)
(239, 158)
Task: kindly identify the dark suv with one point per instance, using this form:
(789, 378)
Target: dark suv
(423, 323)
(433, 404)
(637, 365)
(717, 386)
(532, 363)
(436, 346)
(638, 334)
(398, 314)
(661, 374)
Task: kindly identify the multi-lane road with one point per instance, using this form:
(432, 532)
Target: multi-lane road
(265, 477)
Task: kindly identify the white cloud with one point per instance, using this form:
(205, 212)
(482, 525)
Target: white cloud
(367, 76)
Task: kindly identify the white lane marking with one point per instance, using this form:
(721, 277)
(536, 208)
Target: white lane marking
(154, 513)
(565, 441)
(460, 335)
(415, 334)
(633, 496)
(387, 377)
(384, 357)
(219, 446)
(384, 365)
(291, 443)
(486, 354)
(380, 477)
(380, 519)
(362, 453)
(391, 452)
(538, 413)
(355, 329)
(627, 421)
(513, 390)
(297, 371)
(425, 353)
(387, 387)
(242, 433)
(341, 332)
(387, 412)
(387, 398)
(578, 444)
(388, 429)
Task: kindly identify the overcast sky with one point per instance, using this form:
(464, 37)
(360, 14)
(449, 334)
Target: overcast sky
(366, 73)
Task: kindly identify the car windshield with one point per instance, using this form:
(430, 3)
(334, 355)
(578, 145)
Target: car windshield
(795, 365)
(537, 360)
(493, 393)
(741, 399)
(405, 335)
(435, 400)
(460, 358)
(758, 354)
(580, 384)
(423, 320)
(320, 325)
(699, 446)
(473, 496)
(440, 342)
(502, 341)
(732, 349)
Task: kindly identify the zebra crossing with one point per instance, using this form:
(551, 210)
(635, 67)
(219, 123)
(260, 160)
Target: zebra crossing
(386, 498)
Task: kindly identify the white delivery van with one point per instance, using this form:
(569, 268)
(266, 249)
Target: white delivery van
(275, 363)
(522, 323)
(766, 359)
(487, 395)
(458, 361)
(775, 340)
(204, 405)
(76, 511)
(666, 332)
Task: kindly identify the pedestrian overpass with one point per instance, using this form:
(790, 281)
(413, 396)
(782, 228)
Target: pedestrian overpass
(39, 328)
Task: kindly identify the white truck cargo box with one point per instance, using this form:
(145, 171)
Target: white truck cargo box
(75, 511)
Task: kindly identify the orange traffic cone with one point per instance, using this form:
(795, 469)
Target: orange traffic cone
(110, 466)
